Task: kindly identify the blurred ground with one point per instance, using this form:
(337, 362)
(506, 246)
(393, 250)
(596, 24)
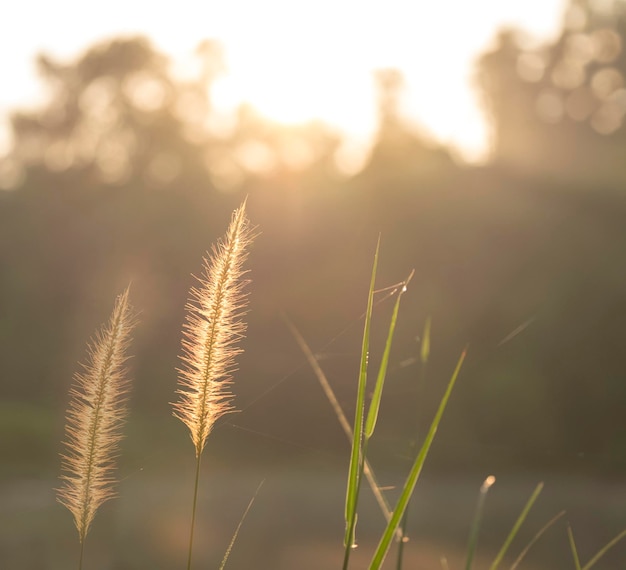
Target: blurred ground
(296, 522)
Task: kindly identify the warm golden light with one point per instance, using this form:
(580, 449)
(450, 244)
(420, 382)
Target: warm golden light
(305, 60)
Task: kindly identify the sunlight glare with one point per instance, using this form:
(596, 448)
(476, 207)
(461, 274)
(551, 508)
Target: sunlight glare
(300, 61)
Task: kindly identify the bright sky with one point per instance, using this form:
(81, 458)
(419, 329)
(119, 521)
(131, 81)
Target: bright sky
(295, 59)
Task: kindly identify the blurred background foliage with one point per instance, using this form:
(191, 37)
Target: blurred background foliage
(126, 174)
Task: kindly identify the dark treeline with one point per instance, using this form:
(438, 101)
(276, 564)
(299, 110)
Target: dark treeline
(124, 176)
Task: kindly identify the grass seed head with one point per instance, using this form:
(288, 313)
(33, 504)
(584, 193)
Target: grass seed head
(214, 326)
(95, 415)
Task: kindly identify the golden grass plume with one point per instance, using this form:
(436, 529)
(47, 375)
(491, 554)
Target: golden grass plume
(96, 412)
(213, 327)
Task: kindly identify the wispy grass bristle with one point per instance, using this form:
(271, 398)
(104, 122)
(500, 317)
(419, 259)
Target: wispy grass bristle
(95, 415)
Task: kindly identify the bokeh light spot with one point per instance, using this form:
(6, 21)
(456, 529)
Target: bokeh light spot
(549, 106)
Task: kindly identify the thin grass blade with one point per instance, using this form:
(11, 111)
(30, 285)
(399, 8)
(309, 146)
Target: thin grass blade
(478, 516)
(236, 533)
(409, 486)
(535, 538)
(357, 438)
(604, 550)
(572, 544)
(372, 415)
(518, 523)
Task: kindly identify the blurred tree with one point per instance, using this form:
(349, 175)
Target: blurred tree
(115, 116)
(559, 108)
(400, 150)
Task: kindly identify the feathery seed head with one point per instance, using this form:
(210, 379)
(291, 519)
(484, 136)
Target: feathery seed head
(214, 325)
(94, 417)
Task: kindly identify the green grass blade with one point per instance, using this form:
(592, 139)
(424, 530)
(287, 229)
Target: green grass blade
(478, 515)
(535, 538)
(352, 491)
(604, 550)
(341, 417)
(236, 533)
(372, 415)
(409, 486)
(425, 350)
(518, 523)
(572, 544)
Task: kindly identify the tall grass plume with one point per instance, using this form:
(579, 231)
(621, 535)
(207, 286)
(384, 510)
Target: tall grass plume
(94, 418)
(214, 326)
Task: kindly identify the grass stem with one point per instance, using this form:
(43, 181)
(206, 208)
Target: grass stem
(80, 559)
(403, 538)
(236, 533)
(193, 510)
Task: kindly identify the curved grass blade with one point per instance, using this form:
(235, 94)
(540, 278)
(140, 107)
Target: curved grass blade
(478, 515)
(518, 523)
(372, 415)
(356, 454)
(416, 469)
(535, 538)
(236, 533)
(604, 550)
(572, 544)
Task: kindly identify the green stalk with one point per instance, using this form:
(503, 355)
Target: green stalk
(516, 527)
(403, 538)
(409, 486)
(356, 455)
(372, 415)
(193, 510)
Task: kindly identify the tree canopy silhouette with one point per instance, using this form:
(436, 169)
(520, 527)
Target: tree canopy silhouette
(559, 108)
